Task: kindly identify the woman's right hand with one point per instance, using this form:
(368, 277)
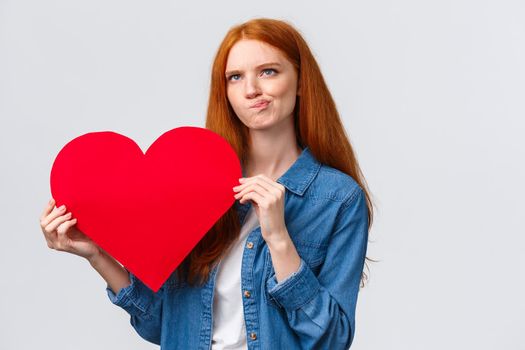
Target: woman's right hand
(61, 234)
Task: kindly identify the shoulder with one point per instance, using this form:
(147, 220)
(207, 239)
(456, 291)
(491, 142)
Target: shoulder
(335, 185)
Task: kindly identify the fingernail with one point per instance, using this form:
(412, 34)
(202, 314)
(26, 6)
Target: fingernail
(241, 179)
(62, 207)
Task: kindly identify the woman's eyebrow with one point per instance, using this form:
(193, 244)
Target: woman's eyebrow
(259, 66)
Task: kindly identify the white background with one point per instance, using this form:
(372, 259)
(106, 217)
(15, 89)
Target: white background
(432, 96)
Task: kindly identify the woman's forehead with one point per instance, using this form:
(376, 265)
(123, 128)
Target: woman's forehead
(252, 53)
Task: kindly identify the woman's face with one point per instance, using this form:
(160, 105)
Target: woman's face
(261, 84)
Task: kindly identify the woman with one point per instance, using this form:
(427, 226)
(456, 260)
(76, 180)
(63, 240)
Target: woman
(282, 268)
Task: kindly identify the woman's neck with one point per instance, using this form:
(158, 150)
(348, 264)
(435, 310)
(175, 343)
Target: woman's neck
(272, 150)
(272, 159)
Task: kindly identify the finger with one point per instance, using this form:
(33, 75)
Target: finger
(270, 182)
(53, 225)
(265, 180)
(271, 186)
(53, 215)
(246, 181)
(256, 197)
(66, 225)
(253, 187)
(270, 189)
(47, 209)
(62, 229)
(255, 179)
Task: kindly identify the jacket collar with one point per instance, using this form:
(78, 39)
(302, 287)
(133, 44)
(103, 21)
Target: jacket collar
(301, 174)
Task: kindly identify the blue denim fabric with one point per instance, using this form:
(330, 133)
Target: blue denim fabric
(314, 308)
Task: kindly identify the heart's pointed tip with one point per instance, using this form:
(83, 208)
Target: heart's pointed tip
(154, 285)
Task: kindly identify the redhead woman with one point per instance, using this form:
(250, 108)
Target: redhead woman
(283, 267)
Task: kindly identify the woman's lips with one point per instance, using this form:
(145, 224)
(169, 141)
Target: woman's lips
(261, 105)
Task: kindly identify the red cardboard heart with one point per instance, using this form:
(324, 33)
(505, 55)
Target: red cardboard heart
(148, 210)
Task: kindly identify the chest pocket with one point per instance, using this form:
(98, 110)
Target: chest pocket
(313, 255)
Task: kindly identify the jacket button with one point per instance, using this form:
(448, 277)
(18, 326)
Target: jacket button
(247, 293)
(249, 245)
(253, 336)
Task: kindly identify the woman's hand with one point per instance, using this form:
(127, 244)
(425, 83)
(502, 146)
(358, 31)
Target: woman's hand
(59, 230)
(268, 199)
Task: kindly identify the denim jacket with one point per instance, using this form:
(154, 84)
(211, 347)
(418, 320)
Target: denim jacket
(313, 308)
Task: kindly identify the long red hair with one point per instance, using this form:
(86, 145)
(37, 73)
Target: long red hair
(317, 125)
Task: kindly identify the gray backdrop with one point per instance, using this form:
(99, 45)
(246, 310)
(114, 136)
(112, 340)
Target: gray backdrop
(432, 96)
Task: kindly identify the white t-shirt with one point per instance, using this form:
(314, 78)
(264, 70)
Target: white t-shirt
(229, 329)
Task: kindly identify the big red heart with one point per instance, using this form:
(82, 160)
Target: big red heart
(148, 210)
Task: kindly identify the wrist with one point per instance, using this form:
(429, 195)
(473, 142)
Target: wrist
(97, 257)
(285, 258)
(281, 244)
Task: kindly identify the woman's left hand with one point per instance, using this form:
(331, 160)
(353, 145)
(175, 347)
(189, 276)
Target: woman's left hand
(268, 201)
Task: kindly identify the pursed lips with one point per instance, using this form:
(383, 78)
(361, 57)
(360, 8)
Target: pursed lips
(260, 104)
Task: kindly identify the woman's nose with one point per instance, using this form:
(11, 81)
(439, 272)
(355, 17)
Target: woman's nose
(252, 88)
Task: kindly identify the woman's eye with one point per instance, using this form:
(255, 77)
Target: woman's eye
(269, 69)
(237, 76)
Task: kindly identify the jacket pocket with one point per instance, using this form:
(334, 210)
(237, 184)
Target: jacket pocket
(313, 255)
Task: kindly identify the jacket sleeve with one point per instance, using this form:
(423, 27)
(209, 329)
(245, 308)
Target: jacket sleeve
(143, 305)
(321, 309)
